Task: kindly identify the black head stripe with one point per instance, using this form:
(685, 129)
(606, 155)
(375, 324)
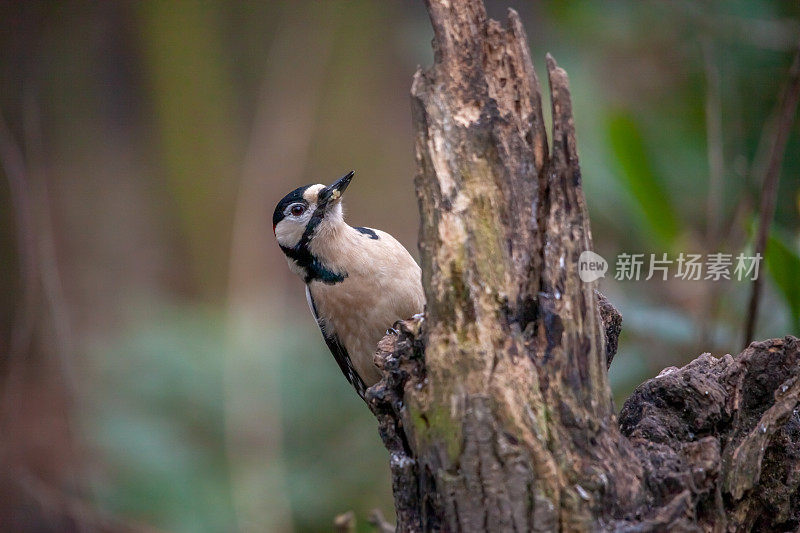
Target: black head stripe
(313, 222)
(292, 198)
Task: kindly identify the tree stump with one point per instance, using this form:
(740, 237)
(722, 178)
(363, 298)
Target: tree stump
(495, 406)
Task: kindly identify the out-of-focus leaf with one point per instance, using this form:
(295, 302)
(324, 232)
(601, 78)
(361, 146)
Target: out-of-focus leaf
(638, 176)
(783, 263)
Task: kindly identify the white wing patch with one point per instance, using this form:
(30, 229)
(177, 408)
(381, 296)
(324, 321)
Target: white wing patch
(321, 322)
(311, 304)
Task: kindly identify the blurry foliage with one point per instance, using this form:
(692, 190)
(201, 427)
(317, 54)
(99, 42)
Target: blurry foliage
(158, 419)
(146, 113)
(783, 262)
(639, 178)
(192, 95)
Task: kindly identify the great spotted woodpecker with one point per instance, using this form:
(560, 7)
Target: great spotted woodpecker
(359, 281)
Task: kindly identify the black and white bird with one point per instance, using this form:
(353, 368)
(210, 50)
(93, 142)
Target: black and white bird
(359, 281)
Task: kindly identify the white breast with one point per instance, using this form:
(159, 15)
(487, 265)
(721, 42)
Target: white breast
(383, 285)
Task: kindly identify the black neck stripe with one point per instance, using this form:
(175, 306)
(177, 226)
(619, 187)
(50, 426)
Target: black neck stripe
(302, 256)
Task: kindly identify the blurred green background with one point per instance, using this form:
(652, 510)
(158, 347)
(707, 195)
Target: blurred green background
(159, 366)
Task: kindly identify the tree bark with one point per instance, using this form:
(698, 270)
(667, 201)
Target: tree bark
(495, 406)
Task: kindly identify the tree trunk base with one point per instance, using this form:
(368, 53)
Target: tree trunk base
(719, 440)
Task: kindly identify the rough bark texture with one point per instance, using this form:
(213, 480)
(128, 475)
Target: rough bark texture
(720, 439)
(495, 406)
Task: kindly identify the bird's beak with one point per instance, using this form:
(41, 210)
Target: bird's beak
(331, 195)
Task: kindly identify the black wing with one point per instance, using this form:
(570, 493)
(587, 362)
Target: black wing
(338, 350)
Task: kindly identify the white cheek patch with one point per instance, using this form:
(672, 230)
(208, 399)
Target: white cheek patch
(288, 232)
(312, 192)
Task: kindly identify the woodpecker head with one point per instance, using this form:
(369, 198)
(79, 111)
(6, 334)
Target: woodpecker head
(308, 211)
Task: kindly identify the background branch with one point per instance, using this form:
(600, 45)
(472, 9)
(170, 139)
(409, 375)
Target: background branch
(769, 187)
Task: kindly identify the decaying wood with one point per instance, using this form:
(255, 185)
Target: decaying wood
(495, 407)
(724, 435)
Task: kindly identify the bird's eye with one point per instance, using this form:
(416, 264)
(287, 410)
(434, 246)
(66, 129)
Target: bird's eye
(298, 210)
